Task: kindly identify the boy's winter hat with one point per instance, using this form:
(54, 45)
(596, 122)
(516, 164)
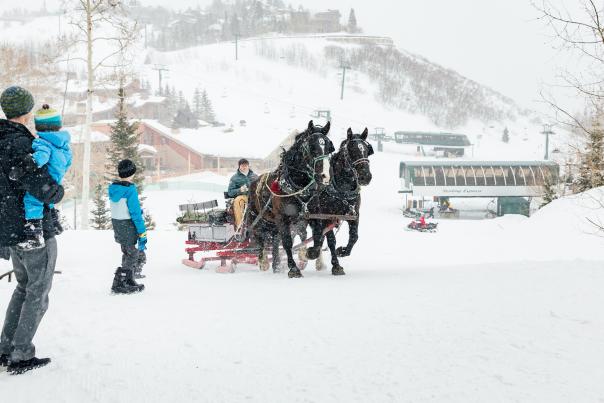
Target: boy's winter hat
(47, 119)
(16, 101)
(126, 168)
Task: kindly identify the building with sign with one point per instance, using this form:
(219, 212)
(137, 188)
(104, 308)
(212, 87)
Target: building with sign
(504, 180)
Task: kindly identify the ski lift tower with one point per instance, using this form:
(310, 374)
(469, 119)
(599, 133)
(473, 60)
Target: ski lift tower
(547, 130)
(379, 134)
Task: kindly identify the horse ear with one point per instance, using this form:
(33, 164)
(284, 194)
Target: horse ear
(364, 134)
(311, 125)
(349, 133)
(326, 128)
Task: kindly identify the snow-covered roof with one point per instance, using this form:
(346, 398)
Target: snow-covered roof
(250, 141)
(136, 100)
(147, 148)
(77, 135)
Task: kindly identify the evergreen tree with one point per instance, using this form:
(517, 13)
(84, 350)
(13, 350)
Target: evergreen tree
(207, 111)
(124, 142)
(185, 118)
(506, 136)
(197, 106)
(549, 191)
(591, 169)
(352, 22)
(235, 29)
(100, 214)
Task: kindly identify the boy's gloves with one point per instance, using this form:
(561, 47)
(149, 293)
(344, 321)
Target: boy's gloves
(142, 241)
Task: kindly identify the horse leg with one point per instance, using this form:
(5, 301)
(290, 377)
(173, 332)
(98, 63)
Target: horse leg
(276, 255)
(262, 258)
(286, 240)
(353, 236)
(336, 269)
(317, 236)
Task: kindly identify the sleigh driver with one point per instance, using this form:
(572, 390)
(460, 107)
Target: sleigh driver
(239, 186)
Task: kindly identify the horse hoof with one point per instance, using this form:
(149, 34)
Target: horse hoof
(276, 270)
(294, 274)
(337, 271)
(313, 253)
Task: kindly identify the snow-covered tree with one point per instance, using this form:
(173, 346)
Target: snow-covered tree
(97, 22)
(506, 136)
(352, 22)
(550, 192)
(185, 118)
(207, 111)
(591, 168)
(100, 214)
(124, 142)
(197, 104)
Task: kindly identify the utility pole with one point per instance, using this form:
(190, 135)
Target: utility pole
(547, 130)
(236, 47)
(344, 68)
(160, 68)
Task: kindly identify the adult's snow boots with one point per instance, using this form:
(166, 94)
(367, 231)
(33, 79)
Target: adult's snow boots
(19, 367)
(4, 360)
(123, 282)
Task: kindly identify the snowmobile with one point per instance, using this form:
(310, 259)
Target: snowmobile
(422, 226)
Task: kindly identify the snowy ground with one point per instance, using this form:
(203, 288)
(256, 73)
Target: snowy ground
(483, 311)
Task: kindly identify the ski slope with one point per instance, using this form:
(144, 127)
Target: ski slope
(509, 309)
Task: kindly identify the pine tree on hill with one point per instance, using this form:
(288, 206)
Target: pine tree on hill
(591, 169)
(352, 22)
(100, 214)
(207, 111)
(506, 136)
(197, 105)
(185, 118)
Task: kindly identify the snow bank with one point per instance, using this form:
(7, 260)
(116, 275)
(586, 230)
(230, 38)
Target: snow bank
(577, 214)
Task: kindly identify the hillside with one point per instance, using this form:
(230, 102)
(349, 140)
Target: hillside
(279, 81)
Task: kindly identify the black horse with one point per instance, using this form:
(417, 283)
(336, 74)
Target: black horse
(350, 170)
(277, 199)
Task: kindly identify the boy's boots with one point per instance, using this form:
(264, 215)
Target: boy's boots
(56, 221)
(131, 282)
(34, 235)
(140, 262)
(123, 283)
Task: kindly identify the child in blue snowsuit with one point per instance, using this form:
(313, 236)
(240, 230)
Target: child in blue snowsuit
(128, 228)
(50, 149)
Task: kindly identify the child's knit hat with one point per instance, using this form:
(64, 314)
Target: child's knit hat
(47, 119)
(126, 168)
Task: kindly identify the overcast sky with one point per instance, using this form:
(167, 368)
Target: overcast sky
(497, 43)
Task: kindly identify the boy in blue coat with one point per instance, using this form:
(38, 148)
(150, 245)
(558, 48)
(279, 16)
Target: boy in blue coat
(128, 228)
(51, 149)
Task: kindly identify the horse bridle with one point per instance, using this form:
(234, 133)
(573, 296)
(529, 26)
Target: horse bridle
(362, 160)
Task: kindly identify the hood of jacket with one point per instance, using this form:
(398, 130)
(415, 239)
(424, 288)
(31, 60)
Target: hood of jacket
(119, 190)
(59, 139)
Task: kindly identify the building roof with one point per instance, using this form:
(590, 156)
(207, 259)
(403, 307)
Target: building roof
(467, 163)
(434, 139)
(249, 141)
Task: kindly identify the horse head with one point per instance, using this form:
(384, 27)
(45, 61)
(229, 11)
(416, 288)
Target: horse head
(313, 149)
(357, 150)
